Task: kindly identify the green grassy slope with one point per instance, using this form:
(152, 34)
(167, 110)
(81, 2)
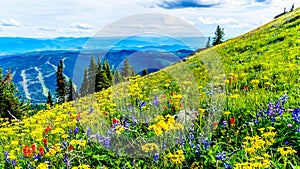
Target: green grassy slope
(253, 69)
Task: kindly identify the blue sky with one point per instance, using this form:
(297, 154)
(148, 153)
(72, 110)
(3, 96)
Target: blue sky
(84, 18)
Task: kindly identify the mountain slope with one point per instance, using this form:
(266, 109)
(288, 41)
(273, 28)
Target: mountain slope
(250, 130)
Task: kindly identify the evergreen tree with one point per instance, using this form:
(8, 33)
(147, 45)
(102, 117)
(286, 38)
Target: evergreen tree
(49, 99)
(219, 35)
(292, 8)
(127, 70)
(84, 84)
(10, 105)
(61, 90)
(98, 77)
(145, 72)
(104, 82)
(92, 75)
(117, 77)
(208, 43)
(107, 69)
(71, 92)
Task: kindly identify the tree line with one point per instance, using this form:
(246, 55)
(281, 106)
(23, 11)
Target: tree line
(97, 77)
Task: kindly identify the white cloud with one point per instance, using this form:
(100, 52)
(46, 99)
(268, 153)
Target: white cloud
(79, 18)
(81, 26)
(46, 29)
(10, 22)
(188, 21)
(212, 20)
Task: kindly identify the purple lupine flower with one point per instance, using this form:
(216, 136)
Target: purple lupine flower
(36, 157)
(88, 132)
(66, 158)
(224, 123)
(14, 162)
(155, 101)
(198, 150)
(6, 154)
(126, 125)
(296, 115)
(106, 142)
(91, 110)
(99, 138)
(134, 121)
(191, 137)
(286, 142)
(147, 121)
(76, 130)
(156, 157)
(206, 144)
(221, 156)
(70, 131)
(142, 104)
(298, 130)
(182, 141)
(228, 166)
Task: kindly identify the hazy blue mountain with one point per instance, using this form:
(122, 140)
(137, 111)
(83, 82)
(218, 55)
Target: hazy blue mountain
(33, 62)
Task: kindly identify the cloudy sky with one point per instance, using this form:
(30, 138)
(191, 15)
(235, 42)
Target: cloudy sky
(82, 18)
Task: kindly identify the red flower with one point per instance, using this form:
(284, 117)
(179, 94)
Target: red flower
(41, 150)
(181, 104)
(78, 116)
(45, 140)
(232, 120)
(115, 121)
(70, 147)
(215, 124)
(47, 129)
(25, 150)
(230, 79)
(32, 148)
(246, 88)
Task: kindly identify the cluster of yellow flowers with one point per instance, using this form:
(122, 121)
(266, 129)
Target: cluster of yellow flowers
(162, 124)
(256, 148)
(256, 143)
(78, 142)
(255, 162)
(44, 165)
(284, 151)
(177, 157)
(150, 147)
(119, 129)
(53, 150)
(82, 166)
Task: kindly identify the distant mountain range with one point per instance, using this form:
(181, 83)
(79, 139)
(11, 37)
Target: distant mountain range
(33, 62)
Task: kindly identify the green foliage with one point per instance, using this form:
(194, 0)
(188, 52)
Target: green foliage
(72, 92)
(10, 105)
(117, 77)
(92, 76)
(145, 72)
(219, 35)
(84, 84)
(49, 99)
(208, 43)
(61, 84)
(127, 70)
